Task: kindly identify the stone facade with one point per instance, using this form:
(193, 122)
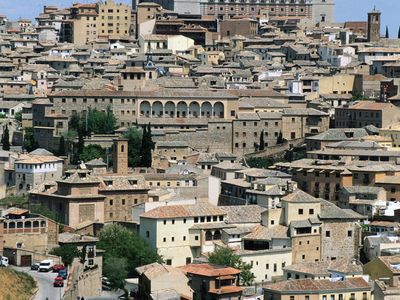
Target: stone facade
(340, 239)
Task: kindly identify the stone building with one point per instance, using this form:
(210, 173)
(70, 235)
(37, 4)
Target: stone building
(94, 195)
(24, 230)
(316, 10)
(32, 169)
(351, 288)
(340, 232)
(299, 123)
(83, 24)
(363, 113)
(114, 20)
(238, 26)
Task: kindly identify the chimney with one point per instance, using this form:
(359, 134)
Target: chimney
(121, 156)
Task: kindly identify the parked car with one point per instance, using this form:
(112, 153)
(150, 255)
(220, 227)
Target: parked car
(46, 265)
(4, 261)
(58, 282)
(57, 268)
(105, 284)
(35, 266)
(63, 273)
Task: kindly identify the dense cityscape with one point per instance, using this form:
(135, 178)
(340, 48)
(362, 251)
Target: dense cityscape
(199, 150)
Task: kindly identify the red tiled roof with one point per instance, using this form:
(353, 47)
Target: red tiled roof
(370, 105)
(209, 270)
(230, 289)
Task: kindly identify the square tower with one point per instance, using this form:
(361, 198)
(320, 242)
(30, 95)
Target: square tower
(374, 25)
(120, 156)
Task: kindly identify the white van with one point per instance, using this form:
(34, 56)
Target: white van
(46, 265)
(4, 261)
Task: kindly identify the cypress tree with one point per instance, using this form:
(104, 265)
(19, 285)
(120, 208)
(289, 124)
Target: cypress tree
(147, 147)
(398, 33)
(262, 145)
(280, 138)
(61, 146)
(143, 147)
(5, 139)
(387, 33)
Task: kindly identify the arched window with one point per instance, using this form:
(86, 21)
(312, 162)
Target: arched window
(209, 236)
(217, 235)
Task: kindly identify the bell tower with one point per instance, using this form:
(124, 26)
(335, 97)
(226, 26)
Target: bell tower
(374, 25)
(120, 156)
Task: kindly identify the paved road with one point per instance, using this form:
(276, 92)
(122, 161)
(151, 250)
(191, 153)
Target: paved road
(45, 282)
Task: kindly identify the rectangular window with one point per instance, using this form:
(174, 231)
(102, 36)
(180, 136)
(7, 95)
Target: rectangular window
(328, 233)
(349, 233)
(300, 211)
(147, 234)
(311, 211)
(196, 219)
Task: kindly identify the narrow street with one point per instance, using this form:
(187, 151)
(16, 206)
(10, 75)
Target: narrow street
(45, 284)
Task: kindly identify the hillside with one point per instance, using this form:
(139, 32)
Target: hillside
(15, 285)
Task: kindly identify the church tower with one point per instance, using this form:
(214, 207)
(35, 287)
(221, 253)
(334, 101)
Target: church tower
(374, 25)
(121, 156)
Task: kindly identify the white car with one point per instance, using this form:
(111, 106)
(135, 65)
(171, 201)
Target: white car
(4, 261)
(46, 265)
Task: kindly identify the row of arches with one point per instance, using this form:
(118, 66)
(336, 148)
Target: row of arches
(24, 224)
(182, 109)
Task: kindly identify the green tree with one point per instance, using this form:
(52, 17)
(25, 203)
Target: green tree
(115, 269)
(279, 140)
(91, 152)
(226, 257)
(44, 211)
(147, 147)
(398, 33)
(18, 116)
(134, 137)
(262, 144)
(18, 201)
(101, 122)
(5, 139)
(29, 141)
(79, 147)
(387, 32)
(119, 242)
(75, 122)
(61, 146)
(67, 252)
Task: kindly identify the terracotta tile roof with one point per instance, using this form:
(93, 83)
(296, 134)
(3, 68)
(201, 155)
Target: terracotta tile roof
(209, 270)
(371, 105)
(260, 232)
(181, 211)
(230, 289)
(318, 286)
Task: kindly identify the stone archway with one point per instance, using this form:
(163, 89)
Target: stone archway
(157, 109)
(181, 110)
(219, 110)
(206, 109)
(145, 108)
(194, 109)
(169, 109)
